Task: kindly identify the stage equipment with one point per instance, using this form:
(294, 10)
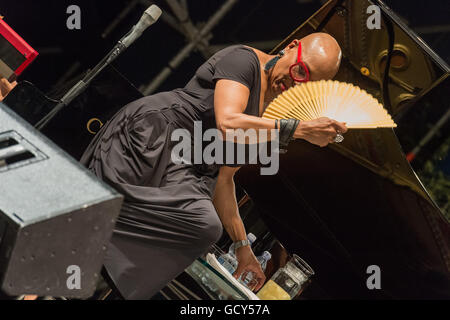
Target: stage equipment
(56, 217)
(15, 53)
(73, 129)
(336, 100)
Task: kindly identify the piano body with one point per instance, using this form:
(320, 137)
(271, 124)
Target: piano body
(342, 208)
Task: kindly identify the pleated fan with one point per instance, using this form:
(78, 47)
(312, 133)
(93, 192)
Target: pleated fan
(343, 102)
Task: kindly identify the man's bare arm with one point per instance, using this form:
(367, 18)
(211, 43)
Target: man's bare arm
(226, 206)
(230, 101)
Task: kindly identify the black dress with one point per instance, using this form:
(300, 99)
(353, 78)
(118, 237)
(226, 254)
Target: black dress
(167, 219)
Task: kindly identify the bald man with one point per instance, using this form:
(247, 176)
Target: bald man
(173, 212)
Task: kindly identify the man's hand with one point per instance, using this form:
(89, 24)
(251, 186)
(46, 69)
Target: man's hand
(5, 87)
(321, 131)
(247, 262)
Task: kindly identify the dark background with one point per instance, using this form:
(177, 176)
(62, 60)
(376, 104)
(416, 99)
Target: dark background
(43, 25)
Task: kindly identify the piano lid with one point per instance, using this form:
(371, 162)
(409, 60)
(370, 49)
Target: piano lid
(415, 67)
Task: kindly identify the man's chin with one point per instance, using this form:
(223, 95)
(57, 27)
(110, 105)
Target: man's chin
(271, 96)
(279, 91)
(275, 90)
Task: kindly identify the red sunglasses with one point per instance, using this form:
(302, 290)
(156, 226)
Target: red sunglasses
(298, 71)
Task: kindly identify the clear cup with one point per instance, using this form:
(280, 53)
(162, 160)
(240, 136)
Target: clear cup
(288, 282)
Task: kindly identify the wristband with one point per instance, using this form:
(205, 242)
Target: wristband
(241, 243)
(287, 130)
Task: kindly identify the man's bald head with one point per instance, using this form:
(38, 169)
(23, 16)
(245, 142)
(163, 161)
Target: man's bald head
(322, 54)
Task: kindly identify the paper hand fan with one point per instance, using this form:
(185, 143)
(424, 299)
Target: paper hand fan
(336, 100)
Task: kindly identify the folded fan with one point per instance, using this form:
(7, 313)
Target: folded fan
(336, 100)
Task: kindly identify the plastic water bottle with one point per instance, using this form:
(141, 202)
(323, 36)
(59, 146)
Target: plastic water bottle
(228, 260)
(262, 259)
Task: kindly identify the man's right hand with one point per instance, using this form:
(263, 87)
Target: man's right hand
(247, 262)
(321, 131)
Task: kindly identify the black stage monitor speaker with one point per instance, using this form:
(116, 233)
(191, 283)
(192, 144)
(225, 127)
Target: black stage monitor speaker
(56, 218)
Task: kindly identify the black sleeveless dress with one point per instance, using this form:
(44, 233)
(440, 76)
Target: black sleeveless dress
(167, 219)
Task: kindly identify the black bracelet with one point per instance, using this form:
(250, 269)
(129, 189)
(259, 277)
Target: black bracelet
(276, 123)
(287, 130)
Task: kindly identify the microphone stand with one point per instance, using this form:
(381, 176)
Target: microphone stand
(79, 87)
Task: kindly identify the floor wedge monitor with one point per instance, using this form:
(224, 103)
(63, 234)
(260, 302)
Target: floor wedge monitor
(56, 218)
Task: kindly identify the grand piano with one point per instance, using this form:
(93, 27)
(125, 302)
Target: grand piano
(342, 208)
(359, 203)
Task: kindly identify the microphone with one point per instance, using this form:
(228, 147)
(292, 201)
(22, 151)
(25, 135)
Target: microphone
(150, 16)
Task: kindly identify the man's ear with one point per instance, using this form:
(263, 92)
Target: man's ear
(293, 44)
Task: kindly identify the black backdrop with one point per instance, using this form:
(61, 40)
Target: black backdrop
(43, 25)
